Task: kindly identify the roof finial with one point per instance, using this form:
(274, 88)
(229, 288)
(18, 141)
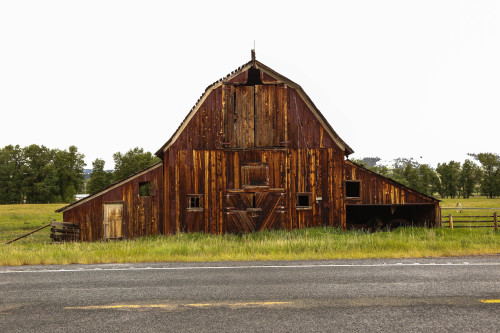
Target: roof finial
(253, 52)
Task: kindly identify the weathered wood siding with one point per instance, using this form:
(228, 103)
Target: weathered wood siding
(142, 215)
(377, 189)
(216, 174)
(238, 126)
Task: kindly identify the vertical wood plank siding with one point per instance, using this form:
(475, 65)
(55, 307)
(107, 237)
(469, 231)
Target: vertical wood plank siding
(246, 153)
(142, 216)
(377, 189)
(227, 134)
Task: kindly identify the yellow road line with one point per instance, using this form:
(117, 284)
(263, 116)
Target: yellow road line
(489, 301)
(119, 306)
(172, 306)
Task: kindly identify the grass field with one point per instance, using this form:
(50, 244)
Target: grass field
(16, 220)
(461, 214)
(317, 243)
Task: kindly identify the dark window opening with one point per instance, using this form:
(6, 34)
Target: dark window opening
(304, 200)
(254, 204)
(145, 189)
(253, 77)
(352, 189)
(195, 202)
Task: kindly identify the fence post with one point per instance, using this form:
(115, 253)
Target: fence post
(495, 221)
(451, 221)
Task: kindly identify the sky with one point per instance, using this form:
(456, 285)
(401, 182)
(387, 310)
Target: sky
(413, 79)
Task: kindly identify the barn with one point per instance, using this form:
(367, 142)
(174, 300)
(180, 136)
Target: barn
(254, 153)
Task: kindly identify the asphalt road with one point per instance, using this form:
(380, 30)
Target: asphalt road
(411, 295)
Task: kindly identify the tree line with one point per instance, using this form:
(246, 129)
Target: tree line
(478, 175)
(37, 174)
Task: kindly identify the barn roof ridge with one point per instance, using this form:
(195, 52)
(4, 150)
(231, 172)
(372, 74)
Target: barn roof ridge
(258, 65)
(110, 187)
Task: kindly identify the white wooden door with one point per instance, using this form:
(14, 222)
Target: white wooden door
(113, 220)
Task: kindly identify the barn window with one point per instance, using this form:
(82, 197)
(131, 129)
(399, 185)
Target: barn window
(304, 201)
(145, 189)
(255, 174)
(352, 189)
(195, 202)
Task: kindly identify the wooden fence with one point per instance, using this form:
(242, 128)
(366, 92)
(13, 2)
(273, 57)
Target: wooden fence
(460, 218)
(59, 232)
(64, 231)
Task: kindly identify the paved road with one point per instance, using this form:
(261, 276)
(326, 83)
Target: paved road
(418, 295)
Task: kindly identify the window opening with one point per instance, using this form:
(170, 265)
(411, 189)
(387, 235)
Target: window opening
(352, 189)
(303, 200)
(145, 189)
(253, 77)
(195, 202)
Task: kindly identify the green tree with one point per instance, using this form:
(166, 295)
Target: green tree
(406, 172)
(69, 167)
(131, 162)
(489, 173)
(468, 178)
(449, 174)
(381, 170)
(428, 180)
(11, 160)
(40, 182)
(420, 177)
(99, 178)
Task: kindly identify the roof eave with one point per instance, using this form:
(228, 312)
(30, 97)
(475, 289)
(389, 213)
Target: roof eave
(256, 64)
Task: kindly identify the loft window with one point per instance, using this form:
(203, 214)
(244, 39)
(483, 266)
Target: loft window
(352, 189)
(145, 189)
(195, 202)
(255, 175)
(304, 201)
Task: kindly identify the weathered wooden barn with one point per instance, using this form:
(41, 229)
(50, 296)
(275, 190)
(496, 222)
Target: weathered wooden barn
(254, 153)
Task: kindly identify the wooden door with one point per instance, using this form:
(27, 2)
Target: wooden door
(244, 131)
(266, 116)
(254, 116)
(113, 221)
(254, 211)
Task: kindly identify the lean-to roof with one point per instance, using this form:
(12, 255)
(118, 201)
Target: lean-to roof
(109, 188)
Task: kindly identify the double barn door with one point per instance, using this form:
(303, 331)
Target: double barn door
(254, 211)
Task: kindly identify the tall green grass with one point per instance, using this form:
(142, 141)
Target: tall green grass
(315, 243)
(16, 220)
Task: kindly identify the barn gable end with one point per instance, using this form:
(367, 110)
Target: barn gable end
(257, 154)
(254, 153)
(206, 125)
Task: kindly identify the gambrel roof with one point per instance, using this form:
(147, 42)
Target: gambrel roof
(267, 70)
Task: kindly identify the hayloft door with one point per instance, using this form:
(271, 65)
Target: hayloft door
(254, 116)
(113, 221)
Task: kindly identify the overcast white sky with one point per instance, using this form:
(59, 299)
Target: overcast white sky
(393, 78)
